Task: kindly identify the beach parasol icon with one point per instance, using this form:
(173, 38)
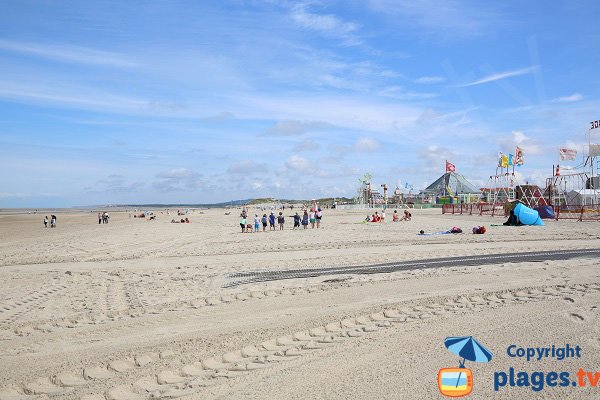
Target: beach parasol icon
(469, 349)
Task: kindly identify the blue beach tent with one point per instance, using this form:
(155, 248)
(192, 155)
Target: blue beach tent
(527, 216)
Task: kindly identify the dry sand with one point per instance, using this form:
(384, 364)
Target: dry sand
(137, 309)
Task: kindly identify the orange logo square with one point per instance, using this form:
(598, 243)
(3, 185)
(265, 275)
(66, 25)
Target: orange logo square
(455, 382)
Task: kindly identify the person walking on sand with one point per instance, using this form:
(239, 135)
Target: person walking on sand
(243, 222)
(256, 223)
(305, 220)
(264, 222)
(318, 217)
(281, 220)
(272, 221)
(52, 221)
(46, 221)
(99, 218)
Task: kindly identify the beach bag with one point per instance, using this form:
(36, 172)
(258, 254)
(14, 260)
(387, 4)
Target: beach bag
(455, 229)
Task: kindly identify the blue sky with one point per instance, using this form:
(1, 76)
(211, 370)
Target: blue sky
(186, 101)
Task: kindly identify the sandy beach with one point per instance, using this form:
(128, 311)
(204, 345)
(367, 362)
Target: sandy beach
(145, 309)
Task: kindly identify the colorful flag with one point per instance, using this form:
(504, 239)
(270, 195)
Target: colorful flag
(450, 167)
(567, 154)
(519, 158)
(504, 160)
(511, 160)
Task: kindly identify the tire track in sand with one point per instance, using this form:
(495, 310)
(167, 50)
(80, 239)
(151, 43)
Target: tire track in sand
(138, 377)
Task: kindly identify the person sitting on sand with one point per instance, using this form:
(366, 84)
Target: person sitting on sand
(395, 217)
(280, 220)
(243, 222)
(368, 219)
(407, 216)
(512, 220)
(376, 217)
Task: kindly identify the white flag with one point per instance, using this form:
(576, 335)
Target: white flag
(567, 154)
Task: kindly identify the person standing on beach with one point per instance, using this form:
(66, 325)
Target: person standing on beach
(243, 222)
(305, 220)
(280, 220)
(256, 223)
(52, 221)
(264, 222)
(99, 218)
(272, 221)
(318, 217)
(383, 215)
(46, 221)
(296, 221)
(312, 218)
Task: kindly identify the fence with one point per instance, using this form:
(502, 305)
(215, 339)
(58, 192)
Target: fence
(578, 211)
(471, 208)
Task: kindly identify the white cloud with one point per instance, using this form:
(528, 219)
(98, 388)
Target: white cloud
(306, 145)
(569, 99)
(298, 163)
(116, 184)
(518, 138)
(430, 79)
(247, 167)
(294, 127)
(328, 24)
(366, 144)
(179, 180)
(501, 75)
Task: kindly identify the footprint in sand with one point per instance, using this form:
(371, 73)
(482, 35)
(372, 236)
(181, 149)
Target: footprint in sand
(569, 299)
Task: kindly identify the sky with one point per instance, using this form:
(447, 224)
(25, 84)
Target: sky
(129, 102)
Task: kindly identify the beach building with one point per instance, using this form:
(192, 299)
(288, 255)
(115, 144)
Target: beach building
(451, 188)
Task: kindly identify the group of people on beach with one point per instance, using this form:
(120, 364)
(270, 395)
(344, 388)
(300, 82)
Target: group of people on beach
(103, 217)
(52, 221)
(395, 216)
(312, 216)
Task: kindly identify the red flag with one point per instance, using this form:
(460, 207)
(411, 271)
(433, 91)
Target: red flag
(450, 167)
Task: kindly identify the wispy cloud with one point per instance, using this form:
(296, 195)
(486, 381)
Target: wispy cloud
(294, 127)
(328, 24)
(430, 79)
(68, 53)
(501, 75)
(366, 144)
(179, 180)
(569, 99)
(451, 17)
